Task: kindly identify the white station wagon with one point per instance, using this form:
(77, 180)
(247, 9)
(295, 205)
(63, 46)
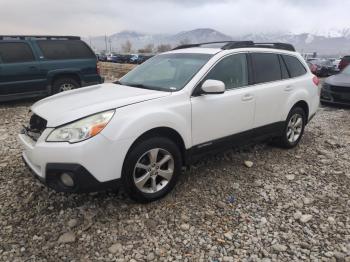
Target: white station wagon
(139, 132)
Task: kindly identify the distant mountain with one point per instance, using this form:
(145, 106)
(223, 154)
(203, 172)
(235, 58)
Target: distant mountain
(200, 36)
(308, 43)
(334, 42)
(140, 40)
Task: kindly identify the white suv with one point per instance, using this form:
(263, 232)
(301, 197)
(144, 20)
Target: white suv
(140, 131)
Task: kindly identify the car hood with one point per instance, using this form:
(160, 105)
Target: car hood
(339, 80)
(72, 105)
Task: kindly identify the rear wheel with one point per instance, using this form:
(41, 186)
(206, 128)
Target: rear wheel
(151, 169)
(64, 84)
(293, 129)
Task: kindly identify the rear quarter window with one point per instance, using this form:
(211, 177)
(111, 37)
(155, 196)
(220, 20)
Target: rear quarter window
(295, 67)
(266, 67)
(16, 53)
(65, 49)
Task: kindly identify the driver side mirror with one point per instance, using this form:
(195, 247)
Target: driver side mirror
(213, 87)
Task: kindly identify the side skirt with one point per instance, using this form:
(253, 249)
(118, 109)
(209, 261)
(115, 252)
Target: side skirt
(252, 136)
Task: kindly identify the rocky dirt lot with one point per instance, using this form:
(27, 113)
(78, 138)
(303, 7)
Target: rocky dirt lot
(291, 205)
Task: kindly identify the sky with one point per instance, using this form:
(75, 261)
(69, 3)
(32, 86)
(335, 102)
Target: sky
(232, 17)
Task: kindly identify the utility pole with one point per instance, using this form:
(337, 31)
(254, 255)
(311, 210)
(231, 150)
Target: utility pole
(106, 43)
(110, 45)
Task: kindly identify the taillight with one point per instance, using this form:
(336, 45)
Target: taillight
(341, 65)
(316, 80)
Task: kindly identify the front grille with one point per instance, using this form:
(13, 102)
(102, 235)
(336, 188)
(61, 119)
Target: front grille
(36, 127)
(340, 89)
(37, 123)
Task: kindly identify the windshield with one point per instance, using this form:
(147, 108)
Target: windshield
(168, 72)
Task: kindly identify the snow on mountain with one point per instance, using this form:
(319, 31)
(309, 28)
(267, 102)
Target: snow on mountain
(332, 42)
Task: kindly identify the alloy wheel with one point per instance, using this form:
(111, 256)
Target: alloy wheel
(66, 87)
(294, 128)
(153, 170)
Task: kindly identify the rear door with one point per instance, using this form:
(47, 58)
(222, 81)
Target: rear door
(270, 91)
(19, 69)
(69, 56)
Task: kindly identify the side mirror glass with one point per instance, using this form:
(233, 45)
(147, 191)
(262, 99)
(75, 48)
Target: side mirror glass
(213, 87)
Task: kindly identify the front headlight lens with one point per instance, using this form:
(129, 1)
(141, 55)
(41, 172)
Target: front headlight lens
(82, 129)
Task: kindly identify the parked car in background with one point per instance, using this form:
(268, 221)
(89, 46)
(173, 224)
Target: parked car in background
(119, 58)
(313, 67)
(167, 113)
(33, 66)
(336, 63)
(139, 59)
(344, 62)
(336, 89)
(113, 58)
(323, 67)
(101, 57)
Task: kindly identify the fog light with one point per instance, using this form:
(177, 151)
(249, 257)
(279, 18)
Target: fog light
(67, 180)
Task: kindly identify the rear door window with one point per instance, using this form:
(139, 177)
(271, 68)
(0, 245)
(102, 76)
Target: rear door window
(266, 67)
(65, 49)
(295, 67)
(284, 70)
(16, 53)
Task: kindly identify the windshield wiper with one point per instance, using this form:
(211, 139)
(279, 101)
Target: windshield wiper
(142, 86)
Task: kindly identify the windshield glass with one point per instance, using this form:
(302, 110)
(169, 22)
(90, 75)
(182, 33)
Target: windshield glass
(346, 70)
(168, 72)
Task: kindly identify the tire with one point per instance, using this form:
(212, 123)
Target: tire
(64, 84)
(288, 140)
(141, 177)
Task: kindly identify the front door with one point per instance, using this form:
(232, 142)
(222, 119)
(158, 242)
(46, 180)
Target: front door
(216, 117)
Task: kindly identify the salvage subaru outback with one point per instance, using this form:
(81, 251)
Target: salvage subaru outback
(139, 132)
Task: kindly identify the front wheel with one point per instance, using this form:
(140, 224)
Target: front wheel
(151, 169)
(293, 129)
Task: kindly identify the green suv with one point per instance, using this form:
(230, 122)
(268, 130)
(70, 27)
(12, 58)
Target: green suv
(32, 66)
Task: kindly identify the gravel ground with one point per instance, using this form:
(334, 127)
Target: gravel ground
(291, 205)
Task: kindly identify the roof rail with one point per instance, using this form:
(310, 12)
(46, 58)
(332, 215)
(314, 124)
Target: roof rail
(241, 44)
(41, 37)
(277, 45)
(200, 44)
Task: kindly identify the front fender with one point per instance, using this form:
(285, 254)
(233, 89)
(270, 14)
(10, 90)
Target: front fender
(132, 121)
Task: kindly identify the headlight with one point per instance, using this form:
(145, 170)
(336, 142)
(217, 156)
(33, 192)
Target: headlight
(81, 129)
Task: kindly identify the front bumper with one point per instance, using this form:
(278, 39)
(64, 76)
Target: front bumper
(83, 181)
(95, 164)
(339, 98)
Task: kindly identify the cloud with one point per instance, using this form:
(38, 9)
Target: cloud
(234, 17)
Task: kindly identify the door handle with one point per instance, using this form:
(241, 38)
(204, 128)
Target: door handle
(288, 88)
(247, 97)
(33, 68)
